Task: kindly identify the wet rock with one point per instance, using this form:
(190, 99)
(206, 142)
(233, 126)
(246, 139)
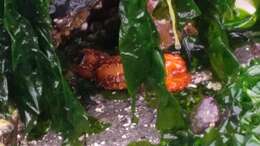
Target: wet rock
(247, 53)
(256, 50)
(205, 115)
(163, 26)
(243, 55)
(69, 15)
(190, 29)
(6, 129)
(201, 77)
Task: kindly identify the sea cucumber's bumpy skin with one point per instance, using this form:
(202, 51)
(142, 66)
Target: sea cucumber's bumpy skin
(177, 76)
(91, 60)
(110, 74)
(108, 71)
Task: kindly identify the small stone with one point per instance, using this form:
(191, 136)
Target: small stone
(34, 142)
(152, 125)
(124, 136)
(133, 125)
(169, 136)
(99, 5)
(96, 144)
(141, 98)
(100, 109)
(84, 26)
(120, 117)
(19, 136)
(200, 77)
(114, 92)
(127, 109)
(60, 138)
(81, 138)
(58, 21)
(128, 122)
(192, 86)
(216, 86)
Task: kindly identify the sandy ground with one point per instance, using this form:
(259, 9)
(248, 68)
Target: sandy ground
(121, 132)
(118, 114)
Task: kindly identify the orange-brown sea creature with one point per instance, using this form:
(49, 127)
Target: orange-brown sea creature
(108, 72)
(89, 63)
(110, 75)
(177, 76)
